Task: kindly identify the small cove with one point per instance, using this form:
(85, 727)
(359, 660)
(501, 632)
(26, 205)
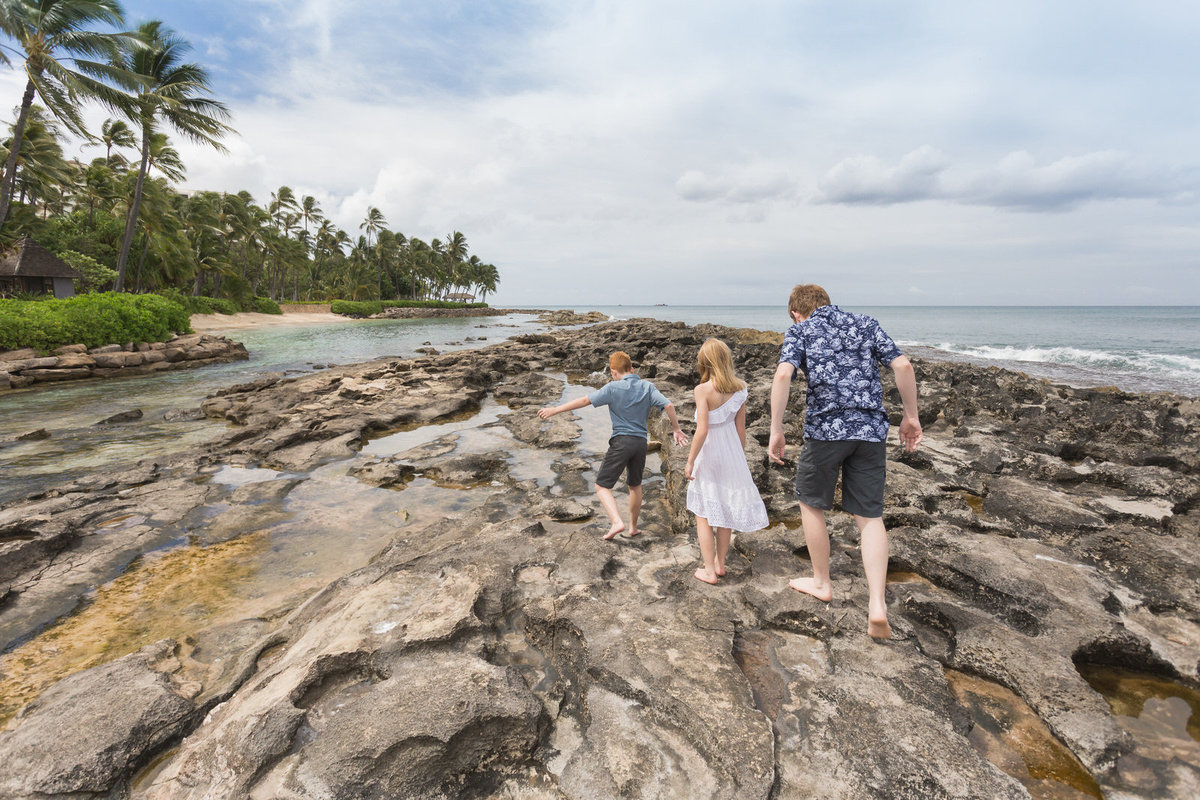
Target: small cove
(77, 446)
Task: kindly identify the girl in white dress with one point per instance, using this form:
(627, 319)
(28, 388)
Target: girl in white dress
(721, 492)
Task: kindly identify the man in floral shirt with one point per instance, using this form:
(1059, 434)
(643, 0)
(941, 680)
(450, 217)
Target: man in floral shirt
(845, 432)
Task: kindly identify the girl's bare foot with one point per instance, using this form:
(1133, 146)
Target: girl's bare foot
(809, 586)
(879, 629)
(616, 528)
(634, 532)
(703, 574)
(720, 570)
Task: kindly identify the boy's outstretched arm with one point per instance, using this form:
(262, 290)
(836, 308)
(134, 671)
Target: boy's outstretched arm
(781, 389)
(677, 432)
(550, 411)
(906, 383)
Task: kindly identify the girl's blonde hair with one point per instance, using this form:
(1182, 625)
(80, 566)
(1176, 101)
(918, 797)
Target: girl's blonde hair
(715, 363)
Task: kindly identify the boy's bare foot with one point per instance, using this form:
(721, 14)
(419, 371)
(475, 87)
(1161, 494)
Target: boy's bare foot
(616, 528)
(879, 629)
(703, 574)
(634, 532)
(809, 586)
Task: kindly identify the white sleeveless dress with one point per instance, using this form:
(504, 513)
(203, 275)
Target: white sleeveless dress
(723, 492)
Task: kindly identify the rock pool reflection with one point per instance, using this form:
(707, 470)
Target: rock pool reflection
(1015, 739)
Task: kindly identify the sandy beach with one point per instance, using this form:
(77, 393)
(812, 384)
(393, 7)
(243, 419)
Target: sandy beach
(206, 323)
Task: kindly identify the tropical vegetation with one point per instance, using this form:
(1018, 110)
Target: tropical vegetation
(90, 319)
(120, 216)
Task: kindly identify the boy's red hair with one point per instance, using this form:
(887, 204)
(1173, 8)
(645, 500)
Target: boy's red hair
(620, 362)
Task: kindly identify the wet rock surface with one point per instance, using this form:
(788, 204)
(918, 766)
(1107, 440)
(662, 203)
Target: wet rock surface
(508, 651)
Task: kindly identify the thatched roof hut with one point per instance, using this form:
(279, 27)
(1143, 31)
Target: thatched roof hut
(29, 267)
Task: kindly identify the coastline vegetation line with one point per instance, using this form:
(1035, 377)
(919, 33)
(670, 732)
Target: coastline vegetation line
(121, 217)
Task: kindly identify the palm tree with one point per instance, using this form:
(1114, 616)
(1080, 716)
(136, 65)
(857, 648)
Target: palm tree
(40, 163)
(115, 133)
(456, 254)
(165, 158)
(281, 203)
(53, 40)
(373, 223)
(173, 92)
(95, 185)
(309, 212)
(489, 276)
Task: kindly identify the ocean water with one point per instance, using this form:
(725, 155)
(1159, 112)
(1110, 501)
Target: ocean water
(1136, 348)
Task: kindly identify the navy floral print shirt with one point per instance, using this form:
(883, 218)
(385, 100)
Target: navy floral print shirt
(839, 354)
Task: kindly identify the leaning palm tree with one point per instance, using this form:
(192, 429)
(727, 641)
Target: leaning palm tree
(40, 166)
(172, 92)
(489, 276)
(55, 41)
(165, 158)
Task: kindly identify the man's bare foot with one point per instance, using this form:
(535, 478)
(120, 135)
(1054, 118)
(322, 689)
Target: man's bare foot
(809, 586)
(879, 629)
(634, 532)
(616, 528)
(703, 574)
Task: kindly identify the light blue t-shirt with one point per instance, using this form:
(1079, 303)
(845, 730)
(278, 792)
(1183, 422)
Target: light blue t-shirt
(629, 401)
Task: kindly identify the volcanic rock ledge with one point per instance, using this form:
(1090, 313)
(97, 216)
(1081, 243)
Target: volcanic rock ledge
(20, 368)
(1041, 529)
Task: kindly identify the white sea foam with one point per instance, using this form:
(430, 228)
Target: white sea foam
(1174, 365)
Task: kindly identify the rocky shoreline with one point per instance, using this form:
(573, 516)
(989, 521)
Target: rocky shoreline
(553, 318)
(21, 368)
(1040, 532)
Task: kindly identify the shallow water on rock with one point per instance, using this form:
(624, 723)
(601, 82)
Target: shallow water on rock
(1010, 735)
(69, 411)
(1162, 715)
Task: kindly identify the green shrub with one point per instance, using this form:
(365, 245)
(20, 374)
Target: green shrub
(353, 308)
(265, 305)
(200, 305)
(90, 319)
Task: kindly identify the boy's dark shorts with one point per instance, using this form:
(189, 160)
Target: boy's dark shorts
(624, 452)
(862, 466)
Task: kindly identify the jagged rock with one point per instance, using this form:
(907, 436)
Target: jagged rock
(125, 416)
(85, 735)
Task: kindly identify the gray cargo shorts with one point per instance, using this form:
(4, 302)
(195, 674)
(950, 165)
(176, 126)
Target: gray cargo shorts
(862, 466)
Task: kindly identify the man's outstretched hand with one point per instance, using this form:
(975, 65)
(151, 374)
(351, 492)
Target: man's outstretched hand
(910, 433)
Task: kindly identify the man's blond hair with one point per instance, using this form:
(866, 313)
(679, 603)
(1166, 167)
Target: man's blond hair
(807, 298)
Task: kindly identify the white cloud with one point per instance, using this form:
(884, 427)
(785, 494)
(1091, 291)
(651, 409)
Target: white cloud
(708, 151)
(1016, 181)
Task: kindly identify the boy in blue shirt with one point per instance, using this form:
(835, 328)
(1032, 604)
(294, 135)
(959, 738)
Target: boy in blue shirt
(629, 399)
(845, 431)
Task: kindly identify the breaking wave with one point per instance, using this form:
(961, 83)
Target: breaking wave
(1138, 370)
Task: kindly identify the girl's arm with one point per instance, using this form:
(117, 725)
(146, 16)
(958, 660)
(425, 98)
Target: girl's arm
(701, 431)
(741, 425)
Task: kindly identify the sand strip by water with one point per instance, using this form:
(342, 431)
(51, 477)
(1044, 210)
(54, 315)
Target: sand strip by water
(204, 323)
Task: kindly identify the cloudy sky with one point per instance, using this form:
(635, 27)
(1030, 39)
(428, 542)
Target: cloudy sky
(715, 152)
